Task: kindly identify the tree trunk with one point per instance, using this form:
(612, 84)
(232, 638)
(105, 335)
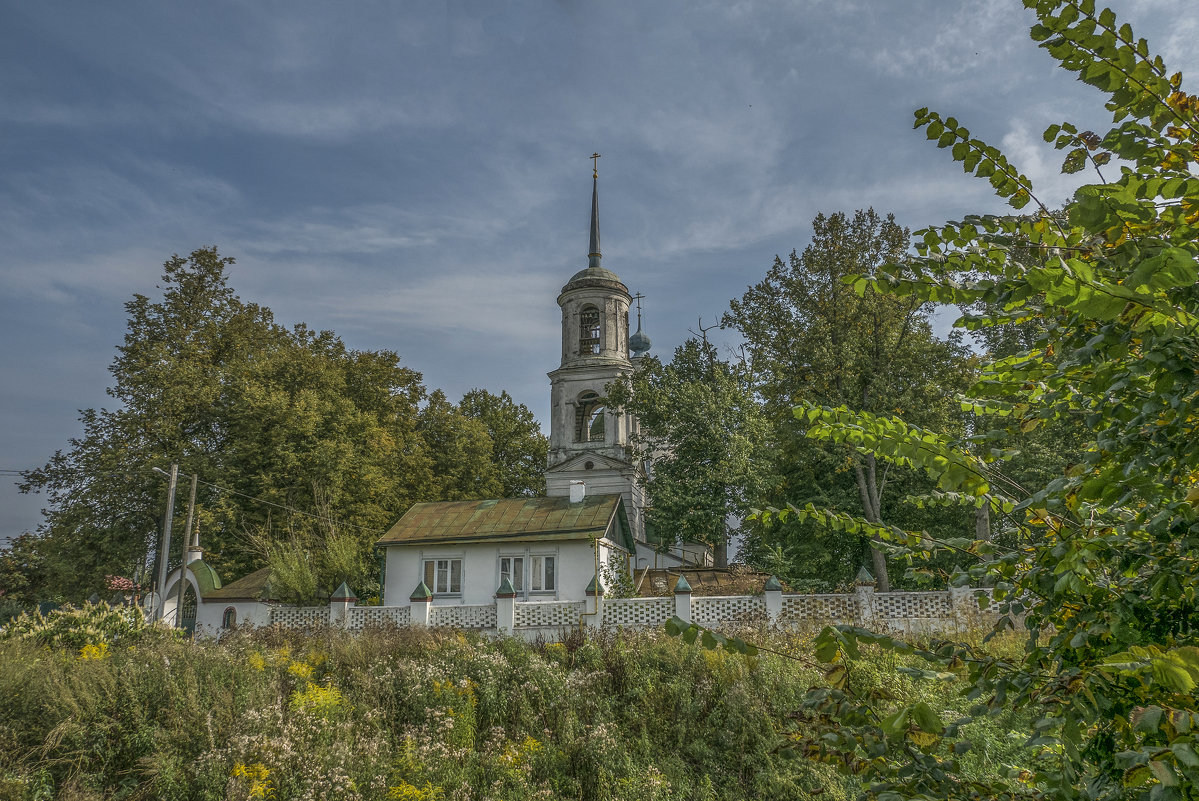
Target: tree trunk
(868, 491)
(879, 560)
(720, 554)
(982, 522)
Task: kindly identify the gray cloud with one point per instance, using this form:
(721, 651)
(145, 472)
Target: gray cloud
(415, 176)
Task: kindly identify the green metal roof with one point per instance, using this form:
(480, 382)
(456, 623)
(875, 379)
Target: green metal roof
(543, 519)
(254, 587)
(206, 577)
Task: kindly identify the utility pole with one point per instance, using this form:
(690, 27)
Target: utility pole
(187, 541)
(165, 550)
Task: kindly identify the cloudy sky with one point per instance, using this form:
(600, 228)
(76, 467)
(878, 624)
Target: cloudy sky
(415, 176)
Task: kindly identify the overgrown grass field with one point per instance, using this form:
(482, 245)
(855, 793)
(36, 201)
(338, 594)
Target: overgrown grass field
(420, 715)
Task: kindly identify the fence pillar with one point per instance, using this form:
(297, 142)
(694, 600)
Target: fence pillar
(339, 606)
(863, 594)
(682, 599)
(422, 600)
(773, 591)
(963, 606)
(505, 608)
(594, 616)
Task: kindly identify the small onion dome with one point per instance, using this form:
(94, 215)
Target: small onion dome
(639, 343)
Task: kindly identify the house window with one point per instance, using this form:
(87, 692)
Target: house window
(589, 331)
(229, 619)
(536, 573)
(543, 578)
(444, 576)
(589, 418)
(513, 569)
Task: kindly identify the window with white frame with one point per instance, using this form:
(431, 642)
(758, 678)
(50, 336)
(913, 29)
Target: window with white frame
(444, 576)
(542, 573)
(513, 569)
(535, 573)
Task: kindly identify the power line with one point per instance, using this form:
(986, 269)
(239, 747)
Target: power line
(291, 509)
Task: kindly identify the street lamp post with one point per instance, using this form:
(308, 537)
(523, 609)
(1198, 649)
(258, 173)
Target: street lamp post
(187, 541)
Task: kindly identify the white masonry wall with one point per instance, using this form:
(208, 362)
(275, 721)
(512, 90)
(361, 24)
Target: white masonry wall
(575, 565)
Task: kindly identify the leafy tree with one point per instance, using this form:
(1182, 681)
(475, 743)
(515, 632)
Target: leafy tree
(811, 337)
(518, 447)
(461, 452)
(283, 426)
(704, 436)
(21, 573)
(1104, 574)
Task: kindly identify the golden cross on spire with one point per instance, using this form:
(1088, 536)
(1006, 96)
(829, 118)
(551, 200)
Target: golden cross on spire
(595, 157)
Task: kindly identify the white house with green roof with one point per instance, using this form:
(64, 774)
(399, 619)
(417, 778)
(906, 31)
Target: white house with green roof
(549, 549)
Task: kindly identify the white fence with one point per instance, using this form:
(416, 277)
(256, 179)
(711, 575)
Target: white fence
(360, 617)
(637, 611)
(910, 612)
(300, 617)
(475, 616)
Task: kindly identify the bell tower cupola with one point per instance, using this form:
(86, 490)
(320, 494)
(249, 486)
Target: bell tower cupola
(595, 352)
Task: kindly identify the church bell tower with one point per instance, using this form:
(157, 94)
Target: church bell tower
(587, 441)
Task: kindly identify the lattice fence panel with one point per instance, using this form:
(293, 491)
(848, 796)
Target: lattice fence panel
(364, 616)
(476, 616)
(638, 611)
(300, 617)
(985, 602)
(734, 609)
(911, 604)
(839, 608)
(548, 614)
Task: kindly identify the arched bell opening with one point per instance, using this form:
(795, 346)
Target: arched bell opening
(589, 418)
(589, 331)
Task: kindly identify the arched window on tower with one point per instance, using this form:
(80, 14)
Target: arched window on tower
(589, 418)
(589, 330)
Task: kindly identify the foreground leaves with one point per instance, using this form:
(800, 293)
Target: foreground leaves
(1099, 564)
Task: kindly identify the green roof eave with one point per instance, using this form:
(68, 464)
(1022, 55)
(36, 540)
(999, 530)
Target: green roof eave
(626, 531)
(467, 539)
(207, 579)
(255, 586)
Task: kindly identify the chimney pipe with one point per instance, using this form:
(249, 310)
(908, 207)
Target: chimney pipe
(578, 490)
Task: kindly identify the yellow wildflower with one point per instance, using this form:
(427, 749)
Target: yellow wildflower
(94, 651)
(317, 700)
(517, 755)
(301, 670)
(256, 775)
(410, 792)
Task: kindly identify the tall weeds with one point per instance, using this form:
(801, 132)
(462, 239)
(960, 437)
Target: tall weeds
(416, 714)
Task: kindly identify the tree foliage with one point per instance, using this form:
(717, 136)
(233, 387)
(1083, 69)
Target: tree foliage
(704, 436)
(1103, 573)
(518, 448)
(297, 439)
(812, 339)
